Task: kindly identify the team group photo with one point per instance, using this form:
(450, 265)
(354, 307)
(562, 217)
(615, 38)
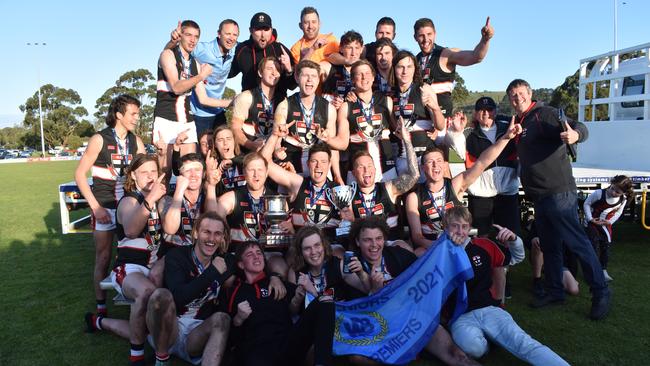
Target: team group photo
(337, 198)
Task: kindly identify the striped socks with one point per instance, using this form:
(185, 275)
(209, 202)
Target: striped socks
(137, 355)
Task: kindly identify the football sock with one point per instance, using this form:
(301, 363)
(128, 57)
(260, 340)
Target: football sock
(101, 307)
(137, 354)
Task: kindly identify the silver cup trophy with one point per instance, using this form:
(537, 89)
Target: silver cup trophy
(341, 197)
(276, 210)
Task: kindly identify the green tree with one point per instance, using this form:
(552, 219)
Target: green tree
(229, 94)
(460, 94)
(84, 129)
(12, 137)
(504, 107)
(62, 112)
(75, 142)
(139, 84)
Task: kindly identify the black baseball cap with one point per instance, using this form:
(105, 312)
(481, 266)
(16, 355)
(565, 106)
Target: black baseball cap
(261, 20)
(485, 103)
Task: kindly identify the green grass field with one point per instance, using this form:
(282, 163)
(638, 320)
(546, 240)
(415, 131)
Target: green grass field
(46, 288)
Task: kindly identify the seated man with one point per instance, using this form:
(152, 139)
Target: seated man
(182, 318)
(376, 264)
(193, 195)
(244, 206)
(230, 160)
(484, 319)
(426, 205)
(307, 195)
(139, 236)
(380, 199)
(262, 330)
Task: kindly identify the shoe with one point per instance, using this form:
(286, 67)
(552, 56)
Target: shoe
(600, 306)
(607, 277)
(546, 300)
(90, 323)
(538, 288)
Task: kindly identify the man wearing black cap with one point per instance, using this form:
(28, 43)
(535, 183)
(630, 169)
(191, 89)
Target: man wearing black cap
(492, 197)
(262, 43)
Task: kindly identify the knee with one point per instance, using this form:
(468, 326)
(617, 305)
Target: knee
(220, 322)
(144, 294)
(160, 298)
(471, 341)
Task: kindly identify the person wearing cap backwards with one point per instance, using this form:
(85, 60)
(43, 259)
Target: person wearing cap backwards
(313, 45)
(262, 43)
(438, 64)
(218, 53)
(493, 197)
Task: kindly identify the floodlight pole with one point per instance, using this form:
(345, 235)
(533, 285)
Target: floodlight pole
(40, 104)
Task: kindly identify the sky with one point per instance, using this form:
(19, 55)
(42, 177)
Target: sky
(89, 44)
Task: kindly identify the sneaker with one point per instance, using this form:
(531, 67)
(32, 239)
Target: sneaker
(607, 277)
(600, 306)
(89, 318)
(547, 300)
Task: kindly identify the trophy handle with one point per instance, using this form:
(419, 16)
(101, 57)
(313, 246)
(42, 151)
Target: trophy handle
(354, 188)
(328, 194)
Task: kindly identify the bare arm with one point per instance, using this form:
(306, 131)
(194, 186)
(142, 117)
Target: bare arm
(291, 181)
(325, 68)
(341, 138)
(171, 218)
(168, 64)
(430, 101)
(205, 100)
(85, 164)
(337, 59)
(174, 37)
(133, 216)
(463, 180)
(226, 204)
(455, 57)
(404, 182)
(413, 217)
(240, 114)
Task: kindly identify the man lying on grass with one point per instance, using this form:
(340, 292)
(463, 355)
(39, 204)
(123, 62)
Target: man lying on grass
(484, 319)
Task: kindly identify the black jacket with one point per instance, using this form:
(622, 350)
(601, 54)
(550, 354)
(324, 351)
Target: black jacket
(544, 160)
(248, 56)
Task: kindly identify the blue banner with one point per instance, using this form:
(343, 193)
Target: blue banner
(393, 325)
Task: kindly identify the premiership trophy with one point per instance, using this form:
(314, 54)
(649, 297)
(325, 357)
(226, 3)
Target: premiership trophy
(341, 197)
(276, 210)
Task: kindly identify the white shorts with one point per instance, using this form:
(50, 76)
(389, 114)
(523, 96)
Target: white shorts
(118, 274)
(171, 129)
(97, 226)
(179, 349)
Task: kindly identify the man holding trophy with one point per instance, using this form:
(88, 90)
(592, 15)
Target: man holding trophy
(308, 196)
(244, 207)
